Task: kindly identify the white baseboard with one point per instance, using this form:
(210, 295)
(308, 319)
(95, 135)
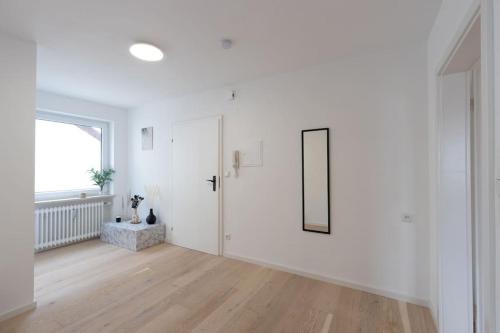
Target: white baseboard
(17, 311)
(340, 282)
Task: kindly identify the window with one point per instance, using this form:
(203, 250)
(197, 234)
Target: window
(66, 147)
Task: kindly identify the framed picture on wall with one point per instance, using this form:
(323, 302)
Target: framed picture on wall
(147, 138)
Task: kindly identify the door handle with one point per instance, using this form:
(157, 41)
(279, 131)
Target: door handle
(214, 182)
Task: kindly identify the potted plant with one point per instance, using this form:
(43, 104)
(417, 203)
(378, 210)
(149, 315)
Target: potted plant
(101, 178)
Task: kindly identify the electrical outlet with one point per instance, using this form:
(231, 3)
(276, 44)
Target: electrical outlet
(407, 218)
(172, 228)
(228, 237)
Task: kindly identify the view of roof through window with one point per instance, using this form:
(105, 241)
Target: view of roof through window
(64, 154)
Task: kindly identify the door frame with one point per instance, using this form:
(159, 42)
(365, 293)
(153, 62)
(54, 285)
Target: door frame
(472, 148)
(220, 221)
(486, 217)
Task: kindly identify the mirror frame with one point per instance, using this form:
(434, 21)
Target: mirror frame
(327, 176)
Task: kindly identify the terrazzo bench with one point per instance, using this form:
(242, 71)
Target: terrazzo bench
(134, 237)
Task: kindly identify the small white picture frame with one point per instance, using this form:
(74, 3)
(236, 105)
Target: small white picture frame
(251, 154)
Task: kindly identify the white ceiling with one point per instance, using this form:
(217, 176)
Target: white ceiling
(83, 45)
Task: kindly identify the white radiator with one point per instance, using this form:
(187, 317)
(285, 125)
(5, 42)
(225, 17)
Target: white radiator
(65, 224)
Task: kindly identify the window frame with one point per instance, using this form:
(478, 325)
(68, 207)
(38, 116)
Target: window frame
(105, 150)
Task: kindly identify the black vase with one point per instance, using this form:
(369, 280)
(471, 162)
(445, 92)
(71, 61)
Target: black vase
(151, 219)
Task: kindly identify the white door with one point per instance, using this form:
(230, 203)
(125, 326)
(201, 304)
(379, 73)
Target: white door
(196, 156)
(454, 224)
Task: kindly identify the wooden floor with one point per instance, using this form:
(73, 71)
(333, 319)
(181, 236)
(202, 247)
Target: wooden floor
(94, 287)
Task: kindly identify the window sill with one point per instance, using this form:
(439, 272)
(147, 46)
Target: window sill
(69, 201)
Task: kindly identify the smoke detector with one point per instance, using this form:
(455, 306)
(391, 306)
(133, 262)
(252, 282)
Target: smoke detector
(226, 43)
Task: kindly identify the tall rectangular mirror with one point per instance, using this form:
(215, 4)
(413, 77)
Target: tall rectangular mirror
(316, 180)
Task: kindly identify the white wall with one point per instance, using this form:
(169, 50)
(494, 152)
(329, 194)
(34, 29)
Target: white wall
(17, 110)
(496, 13)
(118, 119)
(376, 105)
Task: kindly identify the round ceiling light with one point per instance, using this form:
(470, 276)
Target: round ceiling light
(146, 52)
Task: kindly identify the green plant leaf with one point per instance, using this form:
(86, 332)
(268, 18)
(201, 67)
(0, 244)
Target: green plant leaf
(101, 178)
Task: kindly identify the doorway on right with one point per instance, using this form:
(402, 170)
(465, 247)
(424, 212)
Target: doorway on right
(458, 228)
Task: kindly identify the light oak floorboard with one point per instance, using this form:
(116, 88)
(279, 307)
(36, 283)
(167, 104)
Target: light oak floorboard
(97, 287)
